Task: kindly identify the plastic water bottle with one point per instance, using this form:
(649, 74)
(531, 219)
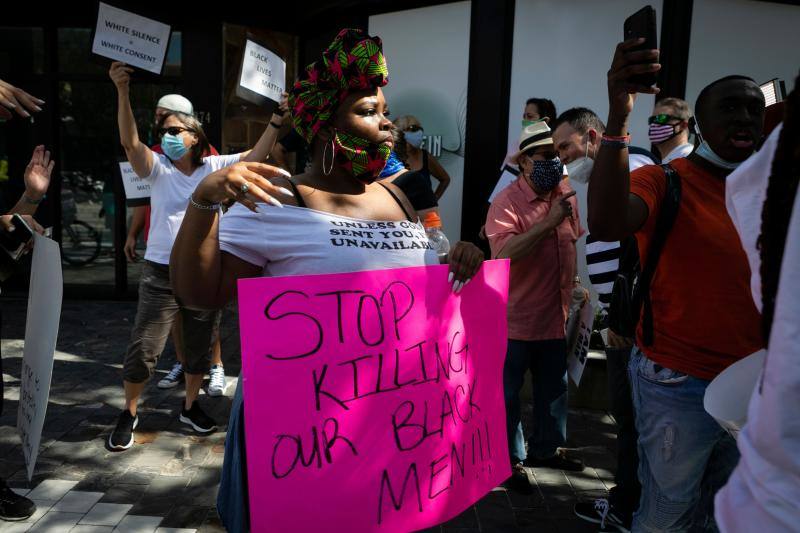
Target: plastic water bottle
(437, 238)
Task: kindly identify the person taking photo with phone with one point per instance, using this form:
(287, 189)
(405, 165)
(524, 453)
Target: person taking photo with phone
(702, 277)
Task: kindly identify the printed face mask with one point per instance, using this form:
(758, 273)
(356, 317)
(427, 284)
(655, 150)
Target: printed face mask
(363, 159)
(547, 174)
(173, 146)
(659, 133)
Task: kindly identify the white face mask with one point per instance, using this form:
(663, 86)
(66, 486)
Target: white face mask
(580, 169)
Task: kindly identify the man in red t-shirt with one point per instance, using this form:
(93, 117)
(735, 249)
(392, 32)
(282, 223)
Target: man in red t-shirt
(704, 318)
(140, 221)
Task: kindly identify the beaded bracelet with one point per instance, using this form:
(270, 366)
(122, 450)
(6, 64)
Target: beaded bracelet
(203, 207)
(613, 144)
(617, 138)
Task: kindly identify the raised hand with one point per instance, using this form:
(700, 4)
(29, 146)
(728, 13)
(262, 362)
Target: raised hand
(626, 63)
(120, 74)
(244, 182)
(37, 173)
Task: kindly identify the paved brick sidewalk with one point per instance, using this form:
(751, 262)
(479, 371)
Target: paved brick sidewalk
(169, 478)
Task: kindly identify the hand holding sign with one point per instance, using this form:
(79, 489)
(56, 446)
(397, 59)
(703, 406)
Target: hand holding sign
(124, 36)
(465, 259)
(120, 74)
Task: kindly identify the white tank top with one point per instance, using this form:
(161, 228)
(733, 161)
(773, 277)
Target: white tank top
(292, 240)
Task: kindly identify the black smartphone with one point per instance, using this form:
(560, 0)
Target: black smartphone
(12, 246)
(13, 242)
(643, 24)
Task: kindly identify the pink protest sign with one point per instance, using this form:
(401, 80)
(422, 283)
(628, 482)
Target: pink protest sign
(373, 400)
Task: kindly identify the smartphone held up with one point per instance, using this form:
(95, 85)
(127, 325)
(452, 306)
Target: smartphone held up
(642, 25)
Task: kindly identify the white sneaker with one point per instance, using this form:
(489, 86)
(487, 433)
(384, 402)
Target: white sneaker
(216, 382)
(172, 379)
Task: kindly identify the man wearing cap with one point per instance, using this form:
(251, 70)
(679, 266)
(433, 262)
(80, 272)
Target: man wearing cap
(534, 222)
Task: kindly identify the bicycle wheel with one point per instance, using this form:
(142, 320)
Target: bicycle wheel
(80, 243)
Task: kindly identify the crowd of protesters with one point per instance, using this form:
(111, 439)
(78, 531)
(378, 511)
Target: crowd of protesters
(692, 249)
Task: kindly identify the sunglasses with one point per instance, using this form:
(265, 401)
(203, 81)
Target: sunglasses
(662, 118)
(174, 130)
(414, 127)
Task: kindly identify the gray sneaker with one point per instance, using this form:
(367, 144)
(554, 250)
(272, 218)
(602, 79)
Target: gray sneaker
(216, 382)
(172, 379)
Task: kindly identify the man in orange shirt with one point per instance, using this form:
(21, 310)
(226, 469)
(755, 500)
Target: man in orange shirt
(703, 314)
(534, 222)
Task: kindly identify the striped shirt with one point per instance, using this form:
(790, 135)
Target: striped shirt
(602, 262)
(602, 258)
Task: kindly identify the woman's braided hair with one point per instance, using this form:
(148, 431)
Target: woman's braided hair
(781, 191)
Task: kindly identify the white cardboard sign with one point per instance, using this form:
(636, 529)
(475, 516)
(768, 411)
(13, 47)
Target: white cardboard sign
(263, 72)
(136, 189)
(579, 333)
(124, 36)
(41, 333)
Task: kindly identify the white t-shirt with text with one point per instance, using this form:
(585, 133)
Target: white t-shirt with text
(297, 240)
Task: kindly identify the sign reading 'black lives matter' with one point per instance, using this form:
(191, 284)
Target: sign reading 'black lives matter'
(262, 75)
(123, 36)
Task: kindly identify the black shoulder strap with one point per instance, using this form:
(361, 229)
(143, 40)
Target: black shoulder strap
(296, 191)
(667, 214)
(424, 160)
(397, 199)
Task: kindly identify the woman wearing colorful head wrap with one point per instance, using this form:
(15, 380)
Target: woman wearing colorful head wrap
(338, 107)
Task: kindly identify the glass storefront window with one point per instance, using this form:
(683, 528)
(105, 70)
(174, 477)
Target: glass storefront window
(21, 52)
(89, 169)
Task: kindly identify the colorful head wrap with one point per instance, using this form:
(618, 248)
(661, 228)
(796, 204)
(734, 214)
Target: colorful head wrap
(353, 62)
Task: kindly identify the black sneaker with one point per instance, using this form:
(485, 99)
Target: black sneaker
(559, 461)
(122, 436)
(520, 480)
(602, 512)
(195, 417)
(14, 507)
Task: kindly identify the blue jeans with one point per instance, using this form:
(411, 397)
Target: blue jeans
(685, 456)
(547, 361)
(232, 500)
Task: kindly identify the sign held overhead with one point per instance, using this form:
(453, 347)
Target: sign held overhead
(124, 36)
(262, 75)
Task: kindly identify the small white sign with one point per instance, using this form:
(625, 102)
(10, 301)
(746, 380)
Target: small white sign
(135, 187)
(263, 72)
(579, 333)
(123, 36)
(41, 333)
